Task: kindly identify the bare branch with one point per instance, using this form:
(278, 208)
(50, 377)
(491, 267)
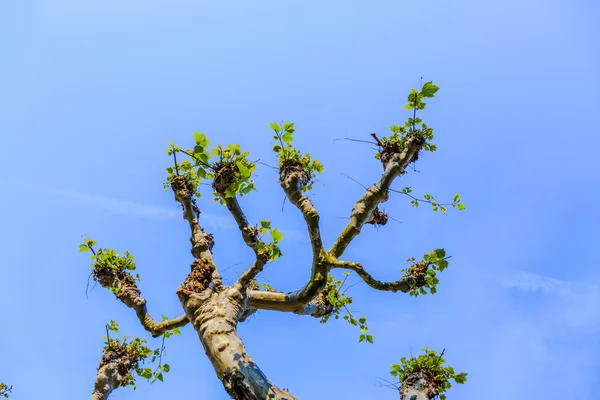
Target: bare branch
(251, 238)
(376, 194)
(291, 186)
(405, 284)
(122, 284)
(291, 183)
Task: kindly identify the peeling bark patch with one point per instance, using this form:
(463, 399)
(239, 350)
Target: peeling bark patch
(199, 278)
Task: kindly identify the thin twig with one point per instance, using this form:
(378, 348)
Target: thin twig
(175, 158)
(353, 140)
(377, 140)
(349, 177)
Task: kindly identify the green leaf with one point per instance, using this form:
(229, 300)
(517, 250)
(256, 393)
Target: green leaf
(275, 126)
(159, 376)
(146, 373)
(369, 338)
(276, 235)
(83, 248)
(429, 89)
(461, 378)
(462, 207)
(215, 151)
(265, 224)
(277, 148)
(287, 138)
(362, 338)
(409, 106)
(200, 139)
(440, 253)
(456, 198)
(166, 367)
(244, 171)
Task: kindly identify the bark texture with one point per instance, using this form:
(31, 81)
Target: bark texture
(106, 381)
(418, 386)
(214, 316)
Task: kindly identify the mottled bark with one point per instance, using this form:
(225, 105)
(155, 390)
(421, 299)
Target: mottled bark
(417, 386)
(214, 316)
(106, 381)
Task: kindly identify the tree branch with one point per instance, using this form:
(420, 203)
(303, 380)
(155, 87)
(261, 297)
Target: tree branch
(378, 193)
(405, 284)
(250, 236)
(106, 381)
(202, 242)
(291, 186)
(128, 292)
(277, 301)
(318, 275)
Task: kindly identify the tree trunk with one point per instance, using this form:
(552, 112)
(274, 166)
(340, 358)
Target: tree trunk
(417, 387)
(214, 316)
(106, 381)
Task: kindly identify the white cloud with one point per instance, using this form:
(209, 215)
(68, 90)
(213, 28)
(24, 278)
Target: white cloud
(578, 303)
(133, 209)
(530, 282)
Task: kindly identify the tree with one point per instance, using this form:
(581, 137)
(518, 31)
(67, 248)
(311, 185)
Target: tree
(215, 309)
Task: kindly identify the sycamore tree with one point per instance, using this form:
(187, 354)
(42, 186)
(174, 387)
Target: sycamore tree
(215, 309)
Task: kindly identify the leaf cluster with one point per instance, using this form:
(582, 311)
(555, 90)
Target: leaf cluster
(292, 160)
(107, 261)
(431, 365)
(231, 171)
(271, 248)
(131, 354)
(424, 272)
(339, 301)
(413, 126)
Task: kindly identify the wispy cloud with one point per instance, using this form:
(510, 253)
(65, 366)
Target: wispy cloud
(530, 282)
(133, 209)
(578, 303)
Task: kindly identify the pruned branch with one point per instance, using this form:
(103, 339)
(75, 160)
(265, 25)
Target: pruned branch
(376, 194)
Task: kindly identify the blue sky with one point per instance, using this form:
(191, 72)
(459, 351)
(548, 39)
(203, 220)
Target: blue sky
(92, 92)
